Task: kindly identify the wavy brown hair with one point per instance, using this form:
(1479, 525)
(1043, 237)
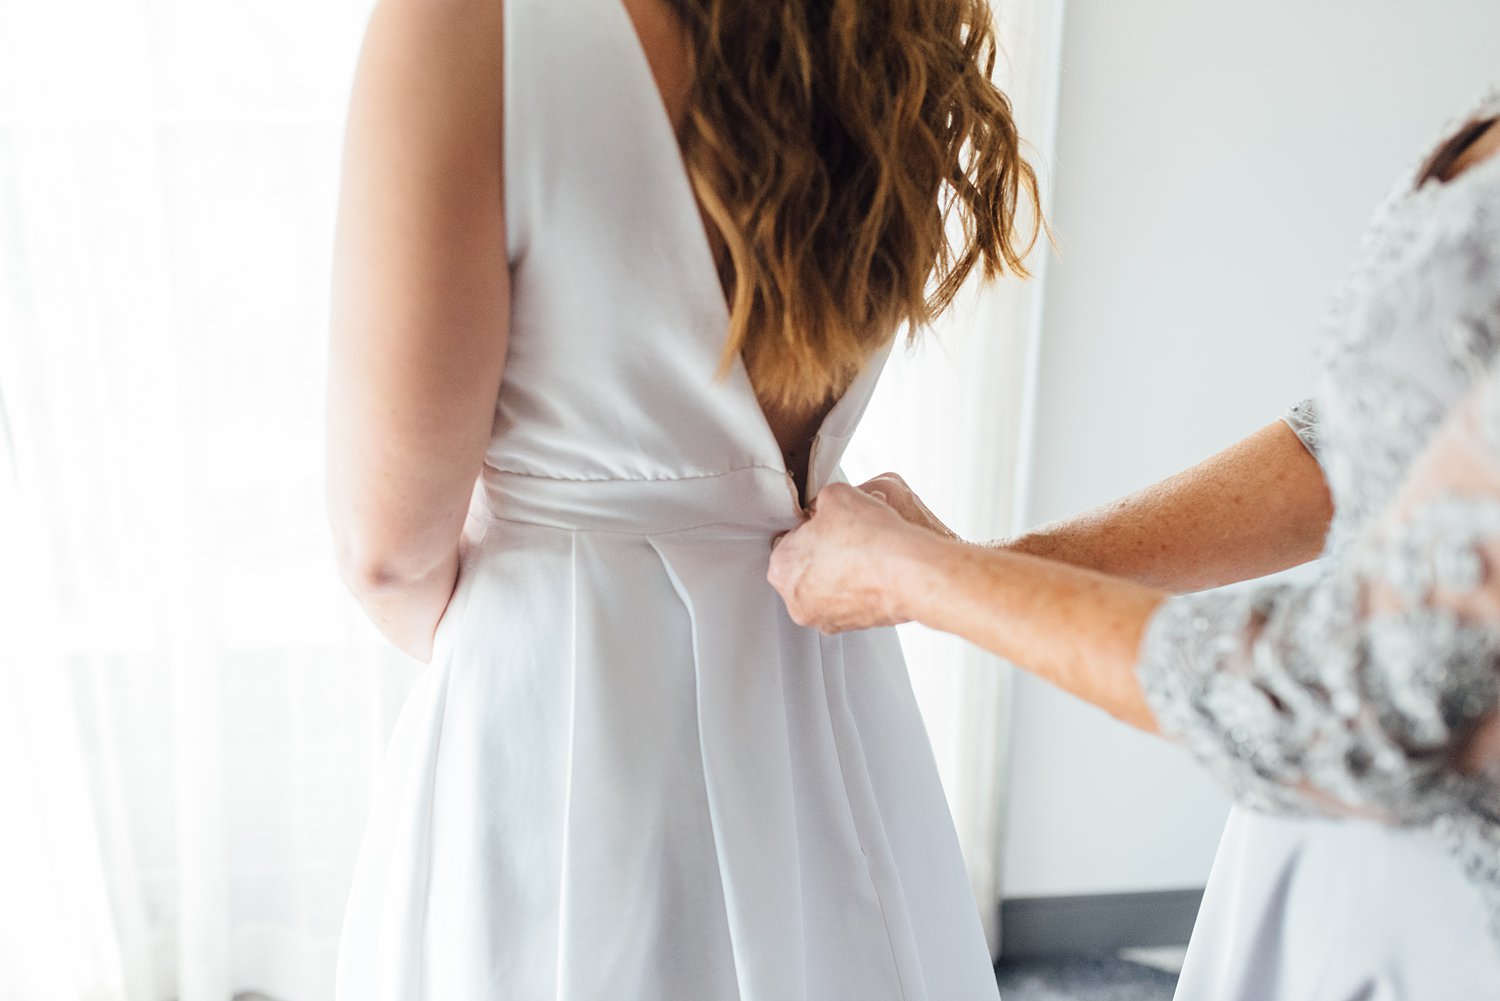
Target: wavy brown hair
(831, 143)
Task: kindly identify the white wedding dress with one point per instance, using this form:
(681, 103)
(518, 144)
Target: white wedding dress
(627, 775)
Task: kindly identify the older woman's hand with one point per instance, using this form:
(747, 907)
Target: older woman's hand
(840, 570)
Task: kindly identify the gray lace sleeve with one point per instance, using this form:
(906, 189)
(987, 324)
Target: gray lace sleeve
(1303, 420)
(1370, 689)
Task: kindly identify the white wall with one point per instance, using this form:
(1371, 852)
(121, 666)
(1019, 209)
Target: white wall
(1216, 164)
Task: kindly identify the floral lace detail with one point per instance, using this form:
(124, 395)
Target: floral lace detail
(1303, 420)
(1475, 842)
(1365, 726)
(1357, 692)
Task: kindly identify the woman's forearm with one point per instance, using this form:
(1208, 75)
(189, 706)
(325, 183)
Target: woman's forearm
(1076, 628)
(1069, 602)
(1257, 507)
(857, 562)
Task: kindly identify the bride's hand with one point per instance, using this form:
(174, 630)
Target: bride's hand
(892, 489)
(839, 570)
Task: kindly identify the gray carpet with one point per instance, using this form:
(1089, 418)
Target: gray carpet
(1082, 978)
(1065, 978)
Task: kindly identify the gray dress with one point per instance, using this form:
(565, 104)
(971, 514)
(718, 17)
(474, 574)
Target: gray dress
(1350, 712)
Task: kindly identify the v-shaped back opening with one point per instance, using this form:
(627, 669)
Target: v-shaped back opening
(795, 456)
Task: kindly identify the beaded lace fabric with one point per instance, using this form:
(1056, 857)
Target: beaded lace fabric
(1372, 689)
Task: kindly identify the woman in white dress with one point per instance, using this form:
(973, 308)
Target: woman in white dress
(1356, 715)
(571, 404)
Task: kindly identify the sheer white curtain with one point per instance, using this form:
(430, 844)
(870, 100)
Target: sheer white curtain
(191, 710)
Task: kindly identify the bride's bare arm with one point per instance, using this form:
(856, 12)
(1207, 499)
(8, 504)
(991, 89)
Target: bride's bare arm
(1259, 506)
(420, 306)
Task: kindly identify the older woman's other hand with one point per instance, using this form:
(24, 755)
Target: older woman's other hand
(893, 490)
(840, 569)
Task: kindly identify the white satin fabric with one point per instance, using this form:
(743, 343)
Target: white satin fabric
(627, 774)
(1337, 910)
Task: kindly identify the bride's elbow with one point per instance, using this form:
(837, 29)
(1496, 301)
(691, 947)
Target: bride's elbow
(372, 569)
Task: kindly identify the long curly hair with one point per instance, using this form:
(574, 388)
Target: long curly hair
(832, 143)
